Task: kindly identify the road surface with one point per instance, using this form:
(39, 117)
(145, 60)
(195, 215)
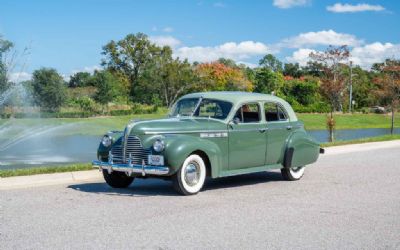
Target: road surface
(344, 201)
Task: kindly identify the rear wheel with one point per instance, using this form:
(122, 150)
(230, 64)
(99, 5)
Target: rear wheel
(117, 179)
(292, 174)
(191, 176)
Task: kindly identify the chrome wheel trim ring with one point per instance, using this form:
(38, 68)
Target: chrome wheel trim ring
(297, 173)
(192, 173)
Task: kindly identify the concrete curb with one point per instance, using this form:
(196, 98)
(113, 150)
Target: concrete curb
(95, 175)
(49, 179)
(352, 148)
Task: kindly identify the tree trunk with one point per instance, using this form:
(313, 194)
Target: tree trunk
(392, 126)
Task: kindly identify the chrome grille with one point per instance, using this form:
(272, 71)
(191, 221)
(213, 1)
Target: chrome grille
(116, 152)
(134, 147)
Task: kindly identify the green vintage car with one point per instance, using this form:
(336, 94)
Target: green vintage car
(212, 134)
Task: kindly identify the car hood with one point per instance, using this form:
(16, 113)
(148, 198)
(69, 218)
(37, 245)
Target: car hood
(174, 125)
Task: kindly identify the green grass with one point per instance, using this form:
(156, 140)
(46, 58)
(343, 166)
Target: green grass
(45, 170)
(349, 121)
(363, 140)
(97, 126)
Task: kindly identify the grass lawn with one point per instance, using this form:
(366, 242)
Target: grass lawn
(45, 170)
(349, 121)
(100, 125)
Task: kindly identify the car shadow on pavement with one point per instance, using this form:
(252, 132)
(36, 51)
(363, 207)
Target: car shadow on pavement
(159, 187)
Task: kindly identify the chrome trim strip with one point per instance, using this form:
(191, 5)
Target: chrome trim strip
(184, 132)
(130, 168)
(249, 129)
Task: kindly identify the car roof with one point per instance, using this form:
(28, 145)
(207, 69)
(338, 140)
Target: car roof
(237, 97)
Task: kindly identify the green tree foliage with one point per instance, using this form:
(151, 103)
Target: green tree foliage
(80, 79)
(106, 84)
(131, 56)
(293, 70)
(268, 81)
(272, 63)
(5, 46)
(49, 90)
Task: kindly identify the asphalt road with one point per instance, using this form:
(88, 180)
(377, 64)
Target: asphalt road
(344, 201)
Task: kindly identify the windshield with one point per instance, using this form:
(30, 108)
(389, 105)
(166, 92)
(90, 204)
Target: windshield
(207, 108)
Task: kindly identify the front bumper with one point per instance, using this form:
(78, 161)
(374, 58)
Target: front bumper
(131, 168)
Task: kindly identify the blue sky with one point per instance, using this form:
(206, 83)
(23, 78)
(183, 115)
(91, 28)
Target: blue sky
(69, 35)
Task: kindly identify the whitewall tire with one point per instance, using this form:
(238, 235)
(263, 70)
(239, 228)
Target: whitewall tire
(191, 176)
(293, 174)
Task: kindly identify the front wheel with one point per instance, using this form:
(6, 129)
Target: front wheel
(117, 179)
(191, 176)
(292, 174)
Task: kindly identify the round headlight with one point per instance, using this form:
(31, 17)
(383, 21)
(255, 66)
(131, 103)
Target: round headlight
(158, 146)
(106, 141)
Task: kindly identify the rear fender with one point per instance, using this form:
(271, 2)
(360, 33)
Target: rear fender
(301, 150)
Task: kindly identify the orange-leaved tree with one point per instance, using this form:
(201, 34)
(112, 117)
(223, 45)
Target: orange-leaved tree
(388, 86)
(333, 81)
(218, 76)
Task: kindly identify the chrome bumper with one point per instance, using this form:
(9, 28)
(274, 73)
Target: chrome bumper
(131, 168)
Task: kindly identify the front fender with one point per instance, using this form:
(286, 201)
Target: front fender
(301, 150)
(179, 147)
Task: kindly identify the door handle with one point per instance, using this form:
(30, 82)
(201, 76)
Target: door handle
(262, 130)
(288, 127)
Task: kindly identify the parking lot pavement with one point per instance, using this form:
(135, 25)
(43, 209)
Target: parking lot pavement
(344, 201)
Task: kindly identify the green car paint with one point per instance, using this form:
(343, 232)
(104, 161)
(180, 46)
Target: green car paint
(227, 147)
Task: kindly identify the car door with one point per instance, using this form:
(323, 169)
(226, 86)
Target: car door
(247, 138)
(279, 129)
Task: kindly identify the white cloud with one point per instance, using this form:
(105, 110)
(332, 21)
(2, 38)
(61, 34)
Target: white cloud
(363, 56)
(301, 56)
(342, 8)
(17, 77)
(248, 64)
(285, 4)
(165, 41)
(168, 29)
(323, 37)
(366, 55)
(231, 50)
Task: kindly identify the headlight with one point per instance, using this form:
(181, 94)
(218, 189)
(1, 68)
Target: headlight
(158, 145)
(106, 141)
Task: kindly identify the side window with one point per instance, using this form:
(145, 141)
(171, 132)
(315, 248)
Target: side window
(248, 113)
(274, 112)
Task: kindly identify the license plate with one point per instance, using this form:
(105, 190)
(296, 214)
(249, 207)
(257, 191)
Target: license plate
(156, 160)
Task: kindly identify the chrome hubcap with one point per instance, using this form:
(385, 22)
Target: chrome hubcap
(192, 174)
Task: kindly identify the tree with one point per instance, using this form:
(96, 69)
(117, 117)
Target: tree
(131, 56)
(106, 83)
(389, 86)
(267, 81)
(49, 89)
(217, 76)
(177, 78)
(293, 70)
(333, 81)
(5, 46)
(79, 79)
(313, 68)
(270, 62)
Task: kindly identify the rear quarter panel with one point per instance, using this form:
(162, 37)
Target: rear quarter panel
(306, 149)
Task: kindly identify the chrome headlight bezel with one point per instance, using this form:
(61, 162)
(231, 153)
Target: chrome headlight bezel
(158, 145)
(107, 141)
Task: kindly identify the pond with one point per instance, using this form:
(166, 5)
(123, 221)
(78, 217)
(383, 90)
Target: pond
(55, 149)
